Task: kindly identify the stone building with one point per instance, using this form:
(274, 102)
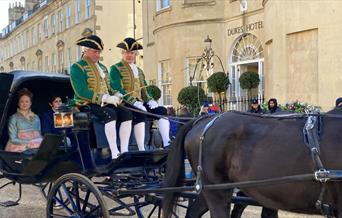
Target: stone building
(293, 46)
(43, 38)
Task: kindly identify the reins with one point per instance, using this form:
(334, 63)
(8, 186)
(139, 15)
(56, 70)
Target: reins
(223, 186)
(170, 118)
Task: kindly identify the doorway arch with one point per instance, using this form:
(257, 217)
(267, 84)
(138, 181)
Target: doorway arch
(247, 54)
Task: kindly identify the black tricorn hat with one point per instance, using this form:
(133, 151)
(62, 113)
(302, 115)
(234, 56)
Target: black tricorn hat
(91, 41)
(338, 101)
(129, 44)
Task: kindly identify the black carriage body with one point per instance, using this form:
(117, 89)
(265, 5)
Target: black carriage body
(57, 165)
(51, 160)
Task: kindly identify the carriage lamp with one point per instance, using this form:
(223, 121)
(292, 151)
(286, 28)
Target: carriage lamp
(63, 117)
(206, 60)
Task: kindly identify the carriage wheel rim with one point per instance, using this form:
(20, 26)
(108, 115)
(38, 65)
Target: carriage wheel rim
(68, 191)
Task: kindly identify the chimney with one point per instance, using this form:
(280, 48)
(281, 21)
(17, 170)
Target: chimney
(15, 12)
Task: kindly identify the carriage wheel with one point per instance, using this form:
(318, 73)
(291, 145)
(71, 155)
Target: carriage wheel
(45, 189)
(77, 197)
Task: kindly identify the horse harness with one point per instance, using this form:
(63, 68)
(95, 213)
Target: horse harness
(311, 132)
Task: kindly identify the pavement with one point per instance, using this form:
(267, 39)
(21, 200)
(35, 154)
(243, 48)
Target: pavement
(32, 205)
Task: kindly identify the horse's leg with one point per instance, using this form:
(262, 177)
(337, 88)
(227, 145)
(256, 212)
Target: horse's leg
(218, 202)
(269, 213)
(197, 207)
(238, 208)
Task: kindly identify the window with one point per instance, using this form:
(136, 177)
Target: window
(197, 73)
(46, 63)
(53, 24)
(165, 82)
(68, 16)
(68, 59)
(19, 43)
(78, 52)
(196, 1)
(46, 27)
(23, 41)
(33, 36)
(39, 63)
(87, 8)
(22, 63)
(38, 33)
(61, 60)
(53, 62)
(33, 65)
(60, 20)
(77, 11)
(193, 72)
(161, 4)
(27, 37)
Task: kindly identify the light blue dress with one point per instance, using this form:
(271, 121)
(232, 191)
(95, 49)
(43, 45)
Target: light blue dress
(24, 132)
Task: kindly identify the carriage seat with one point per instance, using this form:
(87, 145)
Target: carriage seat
(31, 162)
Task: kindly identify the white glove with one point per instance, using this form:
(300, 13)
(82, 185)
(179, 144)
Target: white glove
(139, 105)
(112, 99)
(119, 95)
(152, 104)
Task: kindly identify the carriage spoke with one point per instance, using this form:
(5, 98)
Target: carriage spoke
(96, 209)
(85, 202)
(68, 195)
(77, 196)
(61, 202)
(159, 212)
(153, 209)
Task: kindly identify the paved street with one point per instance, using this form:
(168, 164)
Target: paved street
(33, 204)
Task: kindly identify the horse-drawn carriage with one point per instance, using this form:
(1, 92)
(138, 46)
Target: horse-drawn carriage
(225, 151)
(68, 174)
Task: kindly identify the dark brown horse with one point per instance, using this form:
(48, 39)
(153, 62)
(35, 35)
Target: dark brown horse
(240, 147)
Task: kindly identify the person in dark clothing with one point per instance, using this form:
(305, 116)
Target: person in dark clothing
(47, 118)
(204, 108)
(173, 124)
(273, 106)
(338, 102)
(47, 123)
(255, 107)
(184, 112)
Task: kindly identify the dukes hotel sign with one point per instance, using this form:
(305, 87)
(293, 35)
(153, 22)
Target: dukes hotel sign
(245, 28)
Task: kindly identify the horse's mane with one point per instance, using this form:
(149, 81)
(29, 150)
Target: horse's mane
(336, 110)
(278, 115)
(282, 115)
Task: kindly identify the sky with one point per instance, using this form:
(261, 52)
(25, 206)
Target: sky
(4, 11)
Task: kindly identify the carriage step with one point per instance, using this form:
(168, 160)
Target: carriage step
(9, 203)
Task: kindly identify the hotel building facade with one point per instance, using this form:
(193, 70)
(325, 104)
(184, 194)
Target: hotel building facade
(294, 46)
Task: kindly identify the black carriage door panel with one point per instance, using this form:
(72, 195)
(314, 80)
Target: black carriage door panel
(5, 86)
